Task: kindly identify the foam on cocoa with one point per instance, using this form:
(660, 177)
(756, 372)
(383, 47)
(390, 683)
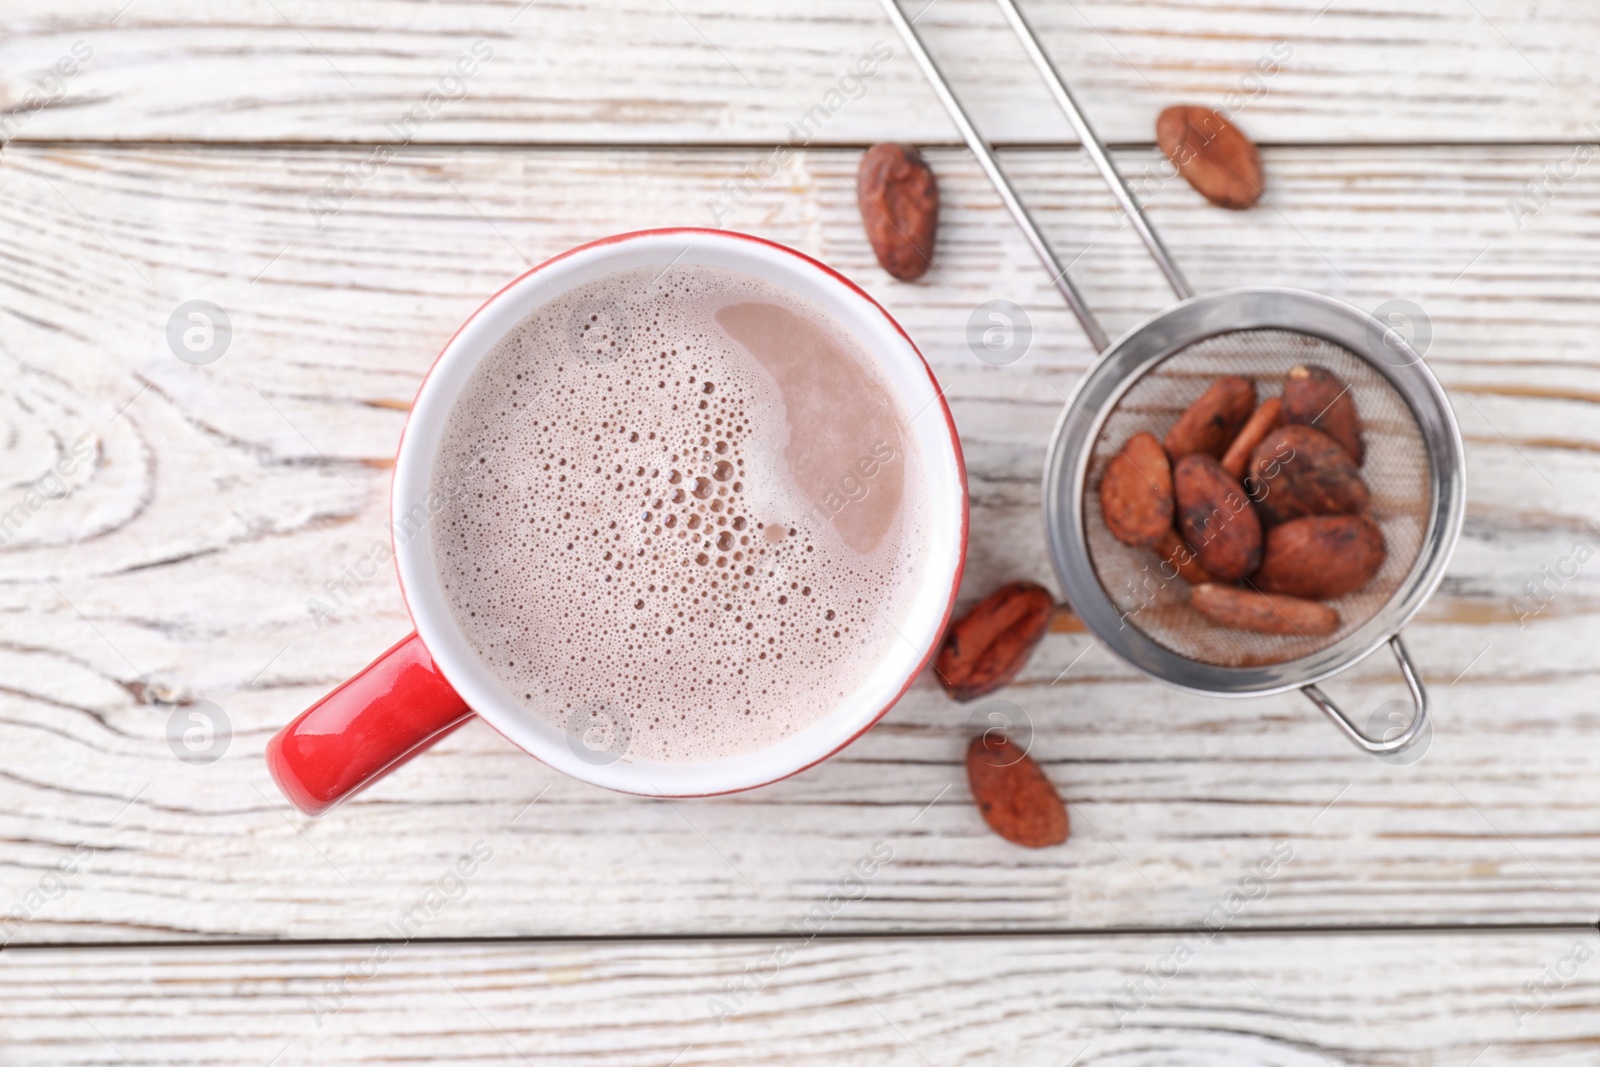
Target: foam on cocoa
(681, 505)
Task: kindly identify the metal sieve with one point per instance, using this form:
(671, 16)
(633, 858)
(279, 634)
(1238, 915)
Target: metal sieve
(1414, 465)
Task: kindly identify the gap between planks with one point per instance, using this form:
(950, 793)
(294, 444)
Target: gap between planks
(952, 934)
(145, 144)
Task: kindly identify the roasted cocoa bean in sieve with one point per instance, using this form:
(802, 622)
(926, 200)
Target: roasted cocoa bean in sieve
(1216, 518)
(1263, 613)
(1321, 556)
(1297, 470)
(1314, 396)
(1136, 492)
(1210, 423)
(1267, 417)
(1180, 558)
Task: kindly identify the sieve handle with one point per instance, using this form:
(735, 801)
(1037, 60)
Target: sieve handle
(991, 167)
(1419, 699)
(1095, 148)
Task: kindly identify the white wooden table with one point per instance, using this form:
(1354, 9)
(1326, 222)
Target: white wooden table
(157, 912)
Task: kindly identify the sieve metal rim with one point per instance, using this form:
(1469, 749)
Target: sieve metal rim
(1162, 335)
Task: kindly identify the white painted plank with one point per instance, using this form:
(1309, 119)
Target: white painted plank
(223, 498)
(719, 71)
(1444, 999)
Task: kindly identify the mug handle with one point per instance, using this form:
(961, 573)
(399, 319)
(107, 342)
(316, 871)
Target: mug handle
(396, 707)
(1401, 741)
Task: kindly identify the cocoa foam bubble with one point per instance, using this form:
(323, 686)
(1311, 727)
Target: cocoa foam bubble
(681, 514)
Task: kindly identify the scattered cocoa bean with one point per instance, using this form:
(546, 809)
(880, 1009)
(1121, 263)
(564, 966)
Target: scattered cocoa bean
(1017, 801)
(899, 201)
(1212, 154)
(984, 649)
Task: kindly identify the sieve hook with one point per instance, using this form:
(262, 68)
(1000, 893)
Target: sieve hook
(1402, 741)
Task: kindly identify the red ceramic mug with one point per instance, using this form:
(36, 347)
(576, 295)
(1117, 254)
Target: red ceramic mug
(433, 681)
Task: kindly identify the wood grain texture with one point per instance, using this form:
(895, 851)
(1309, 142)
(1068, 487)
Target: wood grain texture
(651, 72)
(1438, 1000)
(222, 499)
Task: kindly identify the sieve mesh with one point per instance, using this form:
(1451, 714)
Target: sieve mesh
(1395, 470)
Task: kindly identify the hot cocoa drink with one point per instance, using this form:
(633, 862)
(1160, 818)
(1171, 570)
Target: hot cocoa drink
(681, 509)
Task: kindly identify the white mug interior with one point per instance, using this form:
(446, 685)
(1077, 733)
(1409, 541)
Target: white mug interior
(900, 364)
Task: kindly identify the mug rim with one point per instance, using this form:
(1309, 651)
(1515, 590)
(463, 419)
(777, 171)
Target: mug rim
(476, 684)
